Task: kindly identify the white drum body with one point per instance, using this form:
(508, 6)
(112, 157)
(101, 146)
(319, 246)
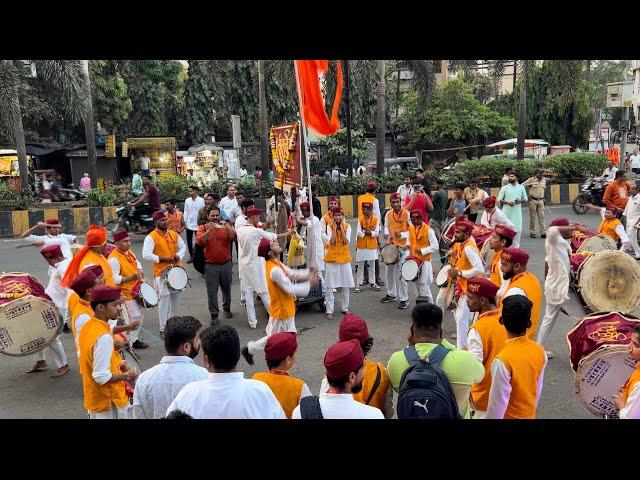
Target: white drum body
(411, 269)
(443, 276)
(147, 297)
(176, 278)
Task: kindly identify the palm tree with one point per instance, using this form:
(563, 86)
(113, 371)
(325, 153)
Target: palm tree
(380, 117)
(11, 115)
(264, 139)
(522, 110)
(89, 124)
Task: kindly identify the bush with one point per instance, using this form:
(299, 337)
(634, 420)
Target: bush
(12, 198)
(174, 186)
(105, 198)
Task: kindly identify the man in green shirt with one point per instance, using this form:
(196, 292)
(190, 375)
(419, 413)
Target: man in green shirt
(461, 367)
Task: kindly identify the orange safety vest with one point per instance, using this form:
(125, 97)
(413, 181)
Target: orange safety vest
(400, 223)
(166, 245)
(608, 227)
(367, 223)
(379, 398)
(528, 282)
(367, 197)
(338, 249)
(128, 266)
(459, 260)
(493, 337)
(524, 360)
(282, 305)
(287, 389)
(93, 258)
(98, 398)
(419, 239)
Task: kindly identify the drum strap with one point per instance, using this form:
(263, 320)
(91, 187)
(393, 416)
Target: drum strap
(376, 384)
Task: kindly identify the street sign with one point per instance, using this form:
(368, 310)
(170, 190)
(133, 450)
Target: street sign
(125, 149)
(110, 146)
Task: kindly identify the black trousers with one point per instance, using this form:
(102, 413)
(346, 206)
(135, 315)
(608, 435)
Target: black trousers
(190, 242)
(218, 276)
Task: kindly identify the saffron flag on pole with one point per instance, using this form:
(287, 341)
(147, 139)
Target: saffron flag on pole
(314, 114)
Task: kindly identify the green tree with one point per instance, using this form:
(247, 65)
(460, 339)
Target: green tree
(198, 99)
(111, 103)
(336, 151)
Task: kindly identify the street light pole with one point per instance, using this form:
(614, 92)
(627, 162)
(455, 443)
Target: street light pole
(348, 123)
(623, 142)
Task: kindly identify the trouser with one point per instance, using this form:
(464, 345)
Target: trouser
(536, 209)
(168, 306)
(421, 285)
(472, 217)
(114, 413)
(632, 232)
(516, 240)
(190, 242)
(361, 270)
(57, 352)
(366, 270)
(395, 282)
(214, 276)
(329, 298)
(274, 326)
(134, 314)
(251, 311)
(548, 321)
(235, 242)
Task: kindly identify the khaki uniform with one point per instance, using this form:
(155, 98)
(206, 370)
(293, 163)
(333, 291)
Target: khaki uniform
(536, 203)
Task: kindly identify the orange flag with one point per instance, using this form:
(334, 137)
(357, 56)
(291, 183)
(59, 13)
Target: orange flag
(311, 99)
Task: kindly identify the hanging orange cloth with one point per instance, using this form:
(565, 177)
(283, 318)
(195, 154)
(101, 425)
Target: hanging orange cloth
(312, 101)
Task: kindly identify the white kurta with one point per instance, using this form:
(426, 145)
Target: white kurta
(55, 290)
(315, 227)
(63, 240)
(339, 275)
(558, 249)
(497, 217)
(191, 210)
(366, 254)
(632, 212)
(251, 269)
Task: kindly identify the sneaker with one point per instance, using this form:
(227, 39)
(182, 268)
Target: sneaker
(544, 235)
(253, 326)
(403, 305)
(138, 345)
(243, 302)
(345, 311)
(66, 328)
(228, 314)
(380, 282)
(387, 299)
(247, 356)
(549, 353)
(357, 290)
(335, 290)
(328, 316)
(376, 287)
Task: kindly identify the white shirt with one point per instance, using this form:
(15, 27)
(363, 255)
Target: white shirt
(343, 406)
(249, 238)
(497, 217)
(632, 212)
(228, 396)
(477, 268)
(388, 398)
(115, 269)
(243, 172)
(285, 277)
(475, 346)
(558, 249)
(635, 161)
(313, 226)
(631, 409)
(191, 209)
(610, 173)
(144, 163)
(241, 221)
(157, 387)
(620, 231)
(149, 246)
(501, 389)
(404, 192)
(57, 292)
(230, 207)
(102, 350)
(62, 239)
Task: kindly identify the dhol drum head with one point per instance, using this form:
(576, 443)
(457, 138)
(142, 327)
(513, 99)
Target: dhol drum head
(597, 244)
(177, 278)
(486, 253)
(390, 254)
(411, 269)
(147, 297)
(600, 375)
(28, 325)
(610, 281)
(448, 232)
(597, 329)
(443, 276)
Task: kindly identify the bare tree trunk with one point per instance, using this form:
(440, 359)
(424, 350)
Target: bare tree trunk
(89, 125)
(264, 124)
(587, 71)
(348, 122)
(522, 116)
(380, 118)
(18, 132)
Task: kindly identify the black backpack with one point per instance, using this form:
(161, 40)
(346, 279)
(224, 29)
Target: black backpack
(310, 408)
(425, 391)
(198, 258)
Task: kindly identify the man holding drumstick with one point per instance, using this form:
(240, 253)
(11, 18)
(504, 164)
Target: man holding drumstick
(396, 232)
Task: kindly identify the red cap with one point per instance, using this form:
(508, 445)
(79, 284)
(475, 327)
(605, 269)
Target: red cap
(120, 235)
(515, 255)
(371, 184)
(333, 198)
(96, 269)
(159, 214)
(52, 251)
(105, 293)
(395, 196)
(253, 211)
(367, 205)
(305, 206)
(343, 358)
(489, 202)
(280, 345)
(482, 286)
(416, 212)
(505, 231)
(95, 236)
(52, 222)
(464, 225)
(353, 327)
(264, 247)
(84, 281)
(336, 210)
(559, 222)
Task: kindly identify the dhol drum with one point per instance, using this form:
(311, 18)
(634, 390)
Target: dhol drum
(411, 269)
(609, 281)
(442, 278)
(123, 313)
(129, 356)
(599, 329)
(29, 320)
(598, 243)
(486, 253)
(480, 234)
(600, 375)
(146, 295)
(175, 278)
(449, 301)
(390, 254)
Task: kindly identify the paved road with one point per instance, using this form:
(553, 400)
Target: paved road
(39, 396)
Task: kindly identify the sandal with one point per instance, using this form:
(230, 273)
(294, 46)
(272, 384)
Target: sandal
(328, 316)
(61, 371)
(38, 368)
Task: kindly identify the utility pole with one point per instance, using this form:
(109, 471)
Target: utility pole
(348, 126)
(89, 124)
(623, 142)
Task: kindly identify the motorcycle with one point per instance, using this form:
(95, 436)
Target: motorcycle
(127, 221)
(591, 191)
